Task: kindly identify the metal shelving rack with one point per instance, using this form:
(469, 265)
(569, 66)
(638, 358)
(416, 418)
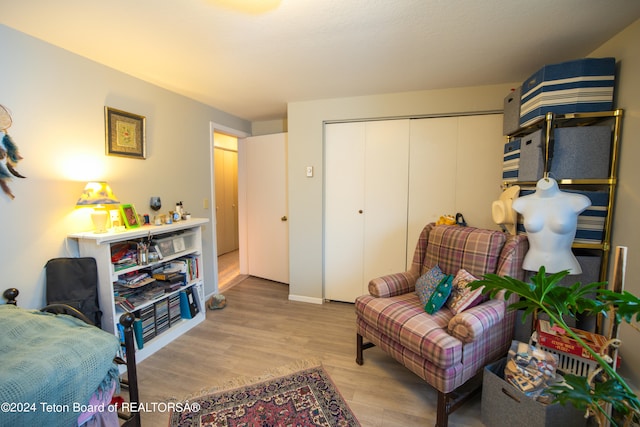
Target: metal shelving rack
(552, 121)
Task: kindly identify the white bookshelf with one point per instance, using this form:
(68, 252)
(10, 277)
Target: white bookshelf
(98, 246)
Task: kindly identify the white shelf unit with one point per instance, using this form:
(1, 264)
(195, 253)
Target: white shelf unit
(98, 246)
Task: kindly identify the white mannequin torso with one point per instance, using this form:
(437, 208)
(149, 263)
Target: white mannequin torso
(550, 219)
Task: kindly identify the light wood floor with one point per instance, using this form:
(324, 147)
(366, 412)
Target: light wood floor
(261, 330)
(229, 271)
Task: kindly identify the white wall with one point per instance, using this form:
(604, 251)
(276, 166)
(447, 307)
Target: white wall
(626, 229)
(57, 102)
(305, 123)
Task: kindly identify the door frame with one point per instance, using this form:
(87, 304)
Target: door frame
(242, 232)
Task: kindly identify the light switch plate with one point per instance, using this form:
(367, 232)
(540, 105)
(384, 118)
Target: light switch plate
(309, 171)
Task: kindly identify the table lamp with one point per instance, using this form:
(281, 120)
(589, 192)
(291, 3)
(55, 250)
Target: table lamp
(96, 194)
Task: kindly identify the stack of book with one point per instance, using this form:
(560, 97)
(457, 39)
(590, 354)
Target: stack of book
(123, 303)
(133, 289)
(135, 279)
(124, 255)
(169, 279)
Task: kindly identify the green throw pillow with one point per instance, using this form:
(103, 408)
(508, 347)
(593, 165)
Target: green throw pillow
(433, 288)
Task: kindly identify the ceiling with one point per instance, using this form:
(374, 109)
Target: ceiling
(250, 58)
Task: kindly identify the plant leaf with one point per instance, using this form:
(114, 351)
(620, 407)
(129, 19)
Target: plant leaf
(546, 293)
(577, 391)
(625, 305)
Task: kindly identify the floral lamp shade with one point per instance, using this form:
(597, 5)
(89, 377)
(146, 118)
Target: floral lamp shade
(97, 194)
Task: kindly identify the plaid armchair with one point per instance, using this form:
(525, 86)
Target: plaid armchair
(444, 349)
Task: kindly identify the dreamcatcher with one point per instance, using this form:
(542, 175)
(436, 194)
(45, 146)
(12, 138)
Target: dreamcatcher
(9, 155)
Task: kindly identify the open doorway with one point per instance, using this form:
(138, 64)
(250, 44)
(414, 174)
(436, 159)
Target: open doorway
(258, 207)
(225, 158)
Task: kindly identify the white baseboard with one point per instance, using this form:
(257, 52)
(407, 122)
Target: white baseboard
(302, 298)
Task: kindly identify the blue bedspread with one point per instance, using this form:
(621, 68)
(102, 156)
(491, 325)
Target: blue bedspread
(51, 365)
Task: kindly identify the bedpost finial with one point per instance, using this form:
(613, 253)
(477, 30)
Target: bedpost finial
(10, 295)
(127, 319)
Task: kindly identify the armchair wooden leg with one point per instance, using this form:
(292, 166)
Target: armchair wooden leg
(449, 402)
(359, 357)
(360, 346)
(442, 417)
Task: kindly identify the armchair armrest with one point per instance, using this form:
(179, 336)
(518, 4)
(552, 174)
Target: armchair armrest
(393, 284)
(472, 323)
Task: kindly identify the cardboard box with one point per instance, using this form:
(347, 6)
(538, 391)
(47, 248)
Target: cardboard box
(551, 338)
(505, 406)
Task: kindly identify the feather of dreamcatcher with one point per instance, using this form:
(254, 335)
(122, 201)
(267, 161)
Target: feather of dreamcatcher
(4, 175)
(4, 170)
(9, 155)
(11, 147)
(6, 189)
(14, 172)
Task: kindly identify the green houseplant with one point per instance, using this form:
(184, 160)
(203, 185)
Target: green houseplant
(545, 294)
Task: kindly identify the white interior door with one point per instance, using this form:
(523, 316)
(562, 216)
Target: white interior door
(266, 210)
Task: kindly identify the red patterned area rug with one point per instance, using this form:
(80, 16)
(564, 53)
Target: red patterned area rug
(304, 398)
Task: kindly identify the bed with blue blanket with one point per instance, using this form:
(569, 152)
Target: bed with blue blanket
(55, 370)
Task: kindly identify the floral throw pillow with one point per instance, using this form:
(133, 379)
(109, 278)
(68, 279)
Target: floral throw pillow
(433, 288)
(462, 296)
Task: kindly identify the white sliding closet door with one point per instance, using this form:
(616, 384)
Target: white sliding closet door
(479, 168)
(385, 197)
(455, 167)
(432, 174)
(385, 180)
(366, 172)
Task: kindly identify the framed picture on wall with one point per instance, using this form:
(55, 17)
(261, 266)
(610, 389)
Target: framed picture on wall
(125, 134)
(129, 216)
